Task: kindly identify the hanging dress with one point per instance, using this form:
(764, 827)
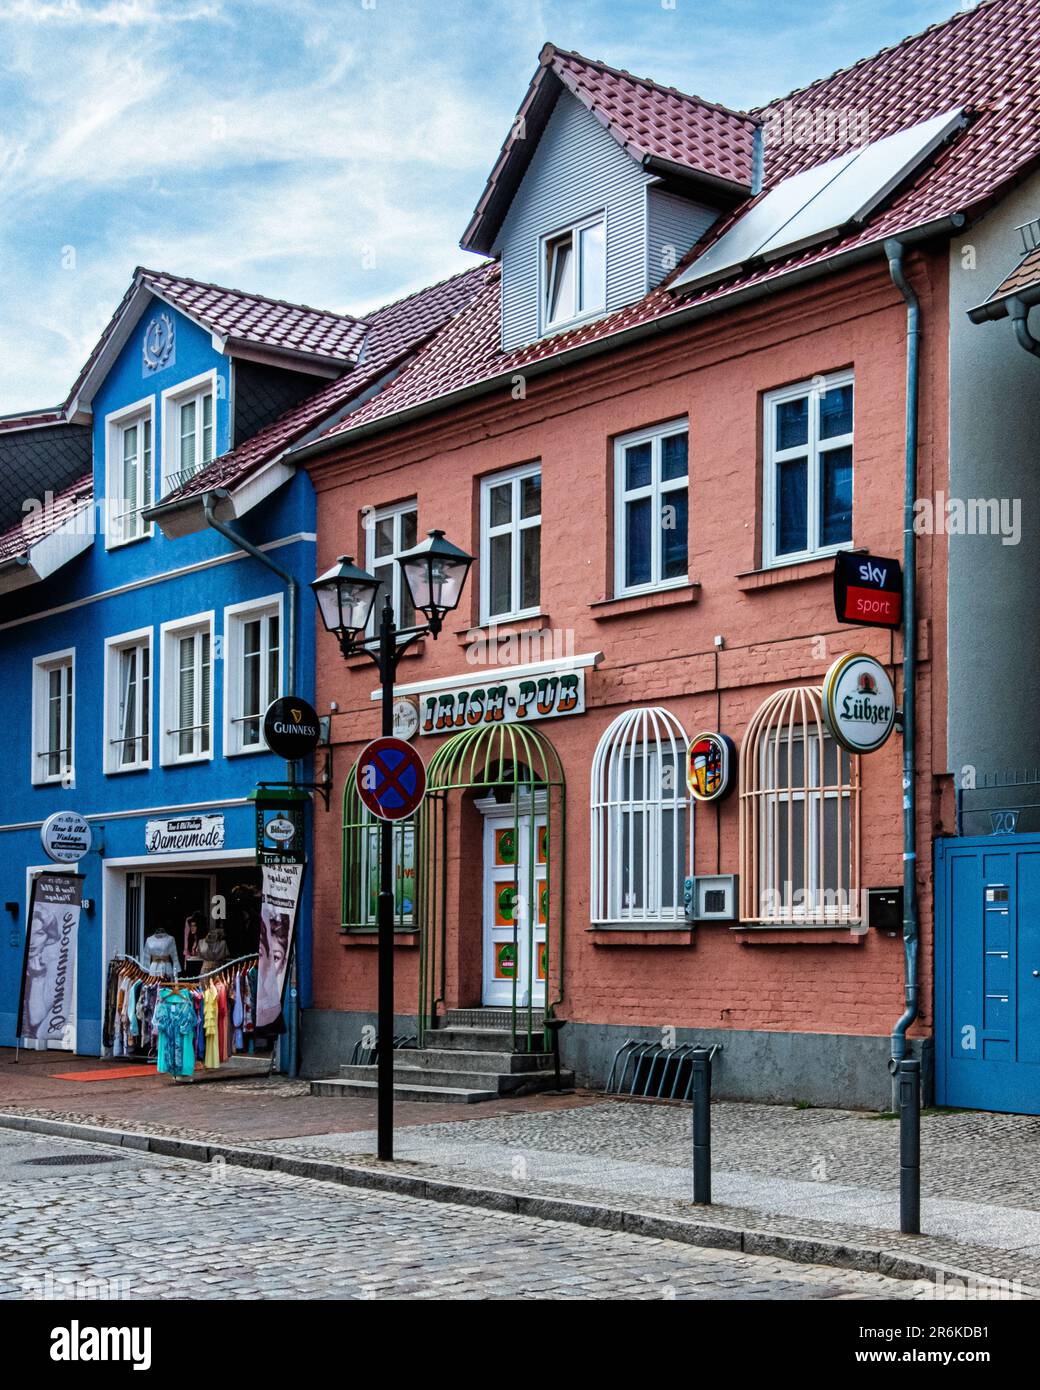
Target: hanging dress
(175, 1025)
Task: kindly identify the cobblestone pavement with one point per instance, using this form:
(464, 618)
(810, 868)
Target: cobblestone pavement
(136, 1226)
(800, 1172)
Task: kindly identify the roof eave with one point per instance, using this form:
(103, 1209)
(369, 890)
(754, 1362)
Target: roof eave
(1000, 308)
(677, 318)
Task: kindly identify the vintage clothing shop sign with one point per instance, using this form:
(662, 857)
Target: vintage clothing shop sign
(45, 1008)
(184, 833)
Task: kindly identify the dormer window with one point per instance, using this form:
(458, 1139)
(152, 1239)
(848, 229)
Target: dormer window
(189, 429)
(574, 273)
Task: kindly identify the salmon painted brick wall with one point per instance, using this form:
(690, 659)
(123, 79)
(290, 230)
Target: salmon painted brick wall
(779, 629)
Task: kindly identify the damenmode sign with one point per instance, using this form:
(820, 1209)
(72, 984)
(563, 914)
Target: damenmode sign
(184, 833)
(868, 590)
(516, 701)
(46, 1008)
(859, 702)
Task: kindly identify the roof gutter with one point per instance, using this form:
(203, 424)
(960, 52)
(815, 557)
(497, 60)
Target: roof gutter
(677, 318)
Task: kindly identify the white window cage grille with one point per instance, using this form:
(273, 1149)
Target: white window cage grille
(799, 817)
(642, 820)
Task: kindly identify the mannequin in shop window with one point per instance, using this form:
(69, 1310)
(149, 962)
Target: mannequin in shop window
(194, 925)
(160, 955)
(213, 947)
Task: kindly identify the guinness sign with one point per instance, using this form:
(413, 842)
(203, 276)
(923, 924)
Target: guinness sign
(292, 728)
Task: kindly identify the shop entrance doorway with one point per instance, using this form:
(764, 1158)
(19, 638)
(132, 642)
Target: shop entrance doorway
(515, 904)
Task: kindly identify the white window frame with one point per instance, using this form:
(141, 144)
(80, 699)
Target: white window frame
(140, 638)
(512, 528)
(658, 492)
(236, 615)
(394, 512)
(40, 743)
(169, 634)
(172, 399)
(116, 509)
(573, 230)
(653, 734)
(812, 450)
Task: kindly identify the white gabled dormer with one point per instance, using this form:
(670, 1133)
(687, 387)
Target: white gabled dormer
(605, 182)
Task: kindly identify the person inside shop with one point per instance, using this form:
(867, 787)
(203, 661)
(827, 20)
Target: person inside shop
(194, 929)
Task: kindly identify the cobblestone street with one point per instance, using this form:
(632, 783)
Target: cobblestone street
(135, 1226)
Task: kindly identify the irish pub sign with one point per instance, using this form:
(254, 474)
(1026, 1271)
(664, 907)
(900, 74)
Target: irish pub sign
(520, 700)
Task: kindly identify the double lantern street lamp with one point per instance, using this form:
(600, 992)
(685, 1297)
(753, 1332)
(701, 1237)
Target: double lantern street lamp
(435, 572)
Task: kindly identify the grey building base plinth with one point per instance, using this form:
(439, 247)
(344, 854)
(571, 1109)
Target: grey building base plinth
(827, 1069)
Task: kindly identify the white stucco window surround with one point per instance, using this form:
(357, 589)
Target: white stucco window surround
(129, 472)
(189, 428)
(186, 690)
(253, 664)
(128, 701)
(572, 269)
(54, 718)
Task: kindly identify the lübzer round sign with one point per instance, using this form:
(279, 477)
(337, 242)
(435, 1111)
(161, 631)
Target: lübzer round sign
(292, 728)
(859, 702)
(66, 837)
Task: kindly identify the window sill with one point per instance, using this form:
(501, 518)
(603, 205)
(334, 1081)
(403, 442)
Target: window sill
(369, 936)
(825, 934)
(604, 609)
(651, 934)
(501, 628)
(354, 663)
(819, 567)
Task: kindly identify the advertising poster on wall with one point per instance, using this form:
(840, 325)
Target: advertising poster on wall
(279, 902)
(46, 1009)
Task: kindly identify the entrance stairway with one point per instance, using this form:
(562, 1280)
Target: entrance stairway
(469, 1058)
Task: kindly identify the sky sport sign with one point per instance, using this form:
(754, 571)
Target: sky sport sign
(859, 702)
(868, 590)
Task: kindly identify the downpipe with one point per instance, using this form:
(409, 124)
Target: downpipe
(1019, 314)
(894, 250)
(209, 502)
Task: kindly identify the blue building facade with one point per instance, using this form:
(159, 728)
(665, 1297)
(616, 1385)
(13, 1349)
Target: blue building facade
(137, 665)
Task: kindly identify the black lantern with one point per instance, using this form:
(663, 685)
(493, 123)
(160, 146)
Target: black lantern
(345, 596)
(435, 572)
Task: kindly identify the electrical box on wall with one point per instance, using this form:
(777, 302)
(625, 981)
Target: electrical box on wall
(885, 909)
(712, 898)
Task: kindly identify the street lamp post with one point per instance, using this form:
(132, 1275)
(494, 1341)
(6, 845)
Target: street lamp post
(435, 572)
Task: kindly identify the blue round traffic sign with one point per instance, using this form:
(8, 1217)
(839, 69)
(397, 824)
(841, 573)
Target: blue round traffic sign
(391, 778)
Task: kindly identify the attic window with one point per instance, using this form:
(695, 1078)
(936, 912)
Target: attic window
(574, 273)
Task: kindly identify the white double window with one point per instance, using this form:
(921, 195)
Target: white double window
(129, 472)
(573, 273)
(651, 508)
(189, 429)
(252, 671)
(642, 824)
(389, 533)
(511, 544)
(128, 701)
(186, 702)
(53, 718)
(807, 473)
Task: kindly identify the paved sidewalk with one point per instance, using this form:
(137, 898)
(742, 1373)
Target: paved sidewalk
(823, 1175)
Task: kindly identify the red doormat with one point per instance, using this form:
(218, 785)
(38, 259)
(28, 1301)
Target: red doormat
(105, 1074)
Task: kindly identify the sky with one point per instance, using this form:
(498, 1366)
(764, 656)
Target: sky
(327, 152)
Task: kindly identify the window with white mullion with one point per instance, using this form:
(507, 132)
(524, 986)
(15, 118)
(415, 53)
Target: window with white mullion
(190, 730)
(652, 509)
(511, 531)
(254, 652)
(53, 719)
(392, 531)
(808, 470)
(573, 271)
(130, 738)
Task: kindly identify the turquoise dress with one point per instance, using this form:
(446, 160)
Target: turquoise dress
(175, 1024)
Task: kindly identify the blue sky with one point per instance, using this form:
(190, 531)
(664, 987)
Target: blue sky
(326, 151)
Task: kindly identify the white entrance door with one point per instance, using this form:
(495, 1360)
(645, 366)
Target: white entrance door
(508, 911)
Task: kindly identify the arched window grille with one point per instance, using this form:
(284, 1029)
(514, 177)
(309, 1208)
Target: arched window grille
(799, 816)
(360, 879)
(642, 824)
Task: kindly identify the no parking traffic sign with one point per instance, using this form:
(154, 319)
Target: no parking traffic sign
(391, 778)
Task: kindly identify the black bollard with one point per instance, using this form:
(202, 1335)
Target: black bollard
(909, 1074)
(701, 1058)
